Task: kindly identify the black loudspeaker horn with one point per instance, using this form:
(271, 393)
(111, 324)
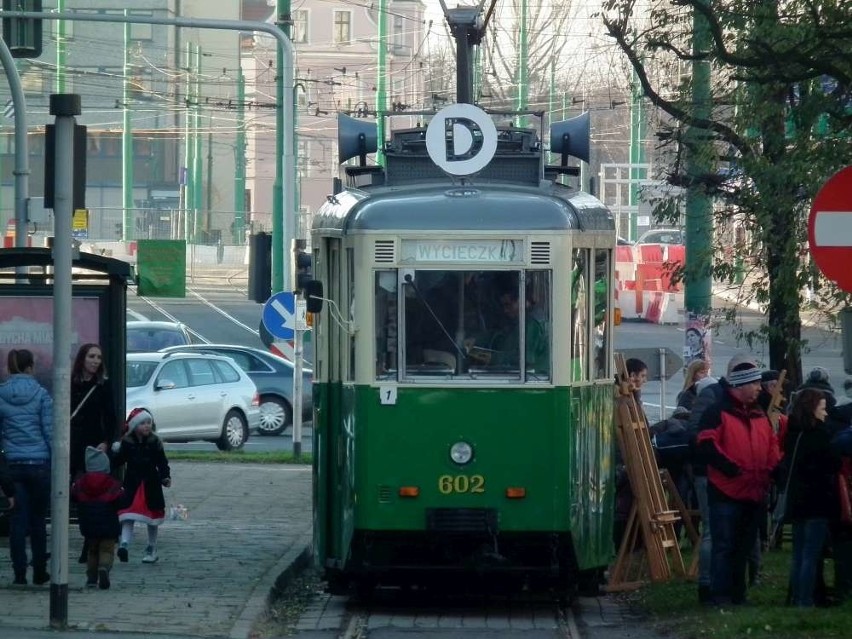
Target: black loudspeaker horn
(355, 138)
(571, 137)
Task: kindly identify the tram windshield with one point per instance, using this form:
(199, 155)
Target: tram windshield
(463, 325)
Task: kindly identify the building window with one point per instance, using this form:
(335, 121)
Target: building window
(303, 157)
(141, 31)
(398, 35)
(52, 27)
(342, 27)
(33, 81)
(300, 26)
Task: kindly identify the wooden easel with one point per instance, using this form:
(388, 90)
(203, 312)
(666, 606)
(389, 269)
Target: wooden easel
(777, 401)
(650, 516)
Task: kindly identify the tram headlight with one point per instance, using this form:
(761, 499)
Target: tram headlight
(461, 452)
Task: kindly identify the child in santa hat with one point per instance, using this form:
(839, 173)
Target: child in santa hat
(146, 473)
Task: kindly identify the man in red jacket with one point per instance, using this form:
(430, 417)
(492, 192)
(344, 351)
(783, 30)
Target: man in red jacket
(736, 441)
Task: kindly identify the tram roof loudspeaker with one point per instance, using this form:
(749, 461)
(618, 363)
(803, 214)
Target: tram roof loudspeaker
(355, 138)
(571, 137)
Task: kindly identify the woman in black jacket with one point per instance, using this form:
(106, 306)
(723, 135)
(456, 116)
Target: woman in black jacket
(812, 496)
(94, 421)
(146, 473)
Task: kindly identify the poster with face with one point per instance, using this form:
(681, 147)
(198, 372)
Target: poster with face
(27, 322)
(697, 340)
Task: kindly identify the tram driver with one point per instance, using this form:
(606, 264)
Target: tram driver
(504, 347)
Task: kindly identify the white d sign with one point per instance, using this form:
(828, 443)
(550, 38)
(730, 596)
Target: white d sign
(462, 118)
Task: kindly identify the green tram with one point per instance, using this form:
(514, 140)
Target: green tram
(463, 420)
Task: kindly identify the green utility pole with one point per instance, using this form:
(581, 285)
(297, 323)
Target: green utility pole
(189, 155)
(381, 82)
(240, 151)
(637, 152)
(198, 167)
(551, 104)
(126, 144)
(209, 177)
(699, 212)
(60, 49)
(521, 78)
(278, 248)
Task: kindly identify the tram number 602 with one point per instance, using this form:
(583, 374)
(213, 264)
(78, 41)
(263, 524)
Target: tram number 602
(449, 484)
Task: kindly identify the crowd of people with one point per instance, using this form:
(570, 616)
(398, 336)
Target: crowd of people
(750, 465)
(100, 444)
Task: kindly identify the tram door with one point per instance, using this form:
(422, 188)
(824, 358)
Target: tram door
(340, 409)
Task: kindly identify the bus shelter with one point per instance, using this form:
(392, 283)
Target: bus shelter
(99, 308)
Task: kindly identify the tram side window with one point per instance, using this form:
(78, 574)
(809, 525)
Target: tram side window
(387, 329)
(579, 315)
(602, 316)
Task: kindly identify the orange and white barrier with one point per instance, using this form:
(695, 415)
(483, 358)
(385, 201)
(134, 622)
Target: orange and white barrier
(644, 287)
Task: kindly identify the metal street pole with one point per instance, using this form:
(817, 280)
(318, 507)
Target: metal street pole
(382, 79)
(22, 157)
(240, 182)
(522, 98)
(64, 107)
(298, 347)
(198, 159)
(637, 153)
(284, 156)
(126, 143)
(699, 211)
(60, 49)
(189, 152)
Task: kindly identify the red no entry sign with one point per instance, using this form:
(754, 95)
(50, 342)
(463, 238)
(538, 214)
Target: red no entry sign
(830, 229)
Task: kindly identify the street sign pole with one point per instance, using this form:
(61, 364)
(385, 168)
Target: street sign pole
(298, 339)
(64, 107)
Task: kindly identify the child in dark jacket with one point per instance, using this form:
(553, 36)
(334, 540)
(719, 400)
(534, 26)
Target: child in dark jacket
(97, 493)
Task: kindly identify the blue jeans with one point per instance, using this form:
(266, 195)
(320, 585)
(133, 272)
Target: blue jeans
(28, 517)
(809, 537)
(704, 549)
(733, 525)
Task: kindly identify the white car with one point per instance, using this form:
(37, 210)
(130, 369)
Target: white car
(194, 396)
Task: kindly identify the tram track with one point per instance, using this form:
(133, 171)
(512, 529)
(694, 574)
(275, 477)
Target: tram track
(442, 617)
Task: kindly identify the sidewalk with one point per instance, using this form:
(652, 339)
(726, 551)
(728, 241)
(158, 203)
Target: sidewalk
(247, 526)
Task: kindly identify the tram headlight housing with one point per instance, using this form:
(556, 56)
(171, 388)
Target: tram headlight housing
(461, 453)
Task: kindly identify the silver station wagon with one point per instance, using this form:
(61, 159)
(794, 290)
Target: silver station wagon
(194, 396)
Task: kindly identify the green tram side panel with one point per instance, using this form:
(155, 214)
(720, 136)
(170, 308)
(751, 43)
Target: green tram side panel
(334, 486)
(553, 442)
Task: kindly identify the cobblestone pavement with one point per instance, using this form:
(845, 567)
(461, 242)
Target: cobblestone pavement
(246, 524)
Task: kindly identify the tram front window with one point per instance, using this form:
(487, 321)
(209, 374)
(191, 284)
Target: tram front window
(465, 325)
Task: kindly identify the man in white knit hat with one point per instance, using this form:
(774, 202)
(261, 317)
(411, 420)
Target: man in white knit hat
(736, 441)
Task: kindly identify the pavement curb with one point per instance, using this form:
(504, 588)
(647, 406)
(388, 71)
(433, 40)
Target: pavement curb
(276, 579)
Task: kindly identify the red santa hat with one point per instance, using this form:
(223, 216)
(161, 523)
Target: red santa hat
(136, 417)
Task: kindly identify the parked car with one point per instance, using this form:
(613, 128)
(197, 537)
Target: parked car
(620, 241)
(662, 236)
(273, 377)
(145, 336)
(194, 396)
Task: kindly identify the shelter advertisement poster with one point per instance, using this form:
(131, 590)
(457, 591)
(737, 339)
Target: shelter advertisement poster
(27, 322)
(161, 267)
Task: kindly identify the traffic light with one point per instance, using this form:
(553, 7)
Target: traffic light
(23, 36)
(303, 269)
(260, 267)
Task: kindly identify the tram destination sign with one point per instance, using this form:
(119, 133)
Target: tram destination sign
(463, 251)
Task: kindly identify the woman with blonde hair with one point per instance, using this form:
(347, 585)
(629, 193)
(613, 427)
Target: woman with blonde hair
(697, 370)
